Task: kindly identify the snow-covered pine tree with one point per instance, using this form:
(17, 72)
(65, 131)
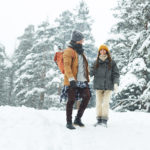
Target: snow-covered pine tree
(32, 82)
(20, 80)
(5, 71)
(83, 22)
(79, 20)
(2, 77)
(10, 78)
(134, 87)
(44, 67)
(130, 21)
(37, 81)
(64, 27)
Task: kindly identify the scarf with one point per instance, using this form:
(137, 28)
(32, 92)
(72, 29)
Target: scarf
(77, 47)
(103, 57)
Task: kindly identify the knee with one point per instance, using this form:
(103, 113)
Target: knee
(86, 96)
(70, 102)
(106, 103)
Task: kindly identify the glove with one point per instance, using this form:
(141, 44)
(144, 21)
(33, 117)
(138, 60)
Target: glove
(116, 88)
(73, 84)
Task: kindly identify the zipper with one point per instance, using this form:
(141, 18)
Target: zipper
(105, 77)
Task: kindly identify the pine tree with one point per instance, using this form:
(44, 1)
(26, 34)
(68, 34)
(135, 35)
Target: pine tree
(79, 20)
(64, 27)
(19, 63)
(2, 77)
(83, 22)
(43, 52)
(31, 80)
(134, 88)
(5, 71)
(37, 81)
(130, 21)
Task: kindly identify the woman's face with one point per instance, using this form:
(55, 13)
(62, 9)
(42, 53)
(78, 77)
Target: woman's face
(103, 52)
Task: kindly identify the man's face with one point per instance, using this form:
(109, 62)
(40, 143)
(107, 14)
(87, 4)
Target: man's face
(80, 42)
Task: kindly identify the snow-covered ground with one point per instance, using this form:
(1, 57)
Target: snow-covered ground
(29, 129)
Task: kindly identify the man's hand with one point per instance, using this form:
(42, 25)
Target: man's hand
(73, 84)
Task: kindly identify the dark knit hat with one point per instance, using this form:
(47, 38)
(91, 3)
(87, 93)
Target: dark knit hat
(77, 36)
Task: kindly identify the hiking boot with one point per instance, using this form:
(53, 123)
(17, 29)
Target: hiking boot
(104, 121)
(78, 122)
(70, 126)
(99, 122)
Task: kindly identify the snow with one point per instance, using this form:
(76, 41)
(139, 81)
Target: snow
(29, 129)
(2, 46)
(2, 54)
(145, 45)
(127, 80)
(56, 79)
(136, 40)
(24, 76)
(27, 64)
(35, 90)
(22, 92)
(118, 36)
(51, 72)
(137, 65)
(7, 63)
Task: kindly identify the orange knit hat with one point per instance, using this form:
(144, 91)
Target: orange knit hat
(103, 47)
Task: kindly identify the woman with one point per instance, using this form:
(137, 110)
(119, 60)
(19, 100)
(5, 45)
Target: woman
(106, 79)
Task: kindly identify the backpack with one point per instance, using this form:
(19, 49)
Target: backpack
(58, 58)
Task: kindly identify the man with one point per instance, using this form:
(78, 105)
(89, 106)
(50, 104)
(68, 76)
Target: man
(76, 78)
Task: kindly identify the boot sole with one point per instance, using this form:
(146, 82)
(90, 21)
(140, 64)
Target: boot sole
(71, 128)
(102, 125)
(78, 125)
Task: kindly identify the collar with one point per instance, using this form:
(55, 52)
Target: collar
(103, 57)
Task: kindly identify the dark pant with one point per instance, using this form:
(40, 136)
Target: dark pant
(85, 94)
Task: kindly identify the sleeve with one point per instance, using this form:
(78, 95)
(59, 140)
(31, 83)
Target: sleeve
(115, 73)
(92, 69)
(67, 58)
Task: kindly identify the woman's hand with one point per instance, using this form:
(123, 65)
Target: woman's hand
(116, 88)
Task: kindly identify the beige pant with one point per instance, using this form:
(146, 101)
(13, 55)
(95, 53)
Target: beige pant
(102, 103)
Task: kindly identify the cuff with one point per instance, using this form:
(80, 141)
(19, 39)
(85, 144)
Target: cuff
(71, 79)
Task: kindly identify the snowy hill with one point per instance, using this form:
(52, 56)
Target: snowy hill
(29, 129)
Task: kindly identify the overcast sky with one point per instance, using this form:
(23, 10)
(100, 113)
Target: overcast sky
(16, 15)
